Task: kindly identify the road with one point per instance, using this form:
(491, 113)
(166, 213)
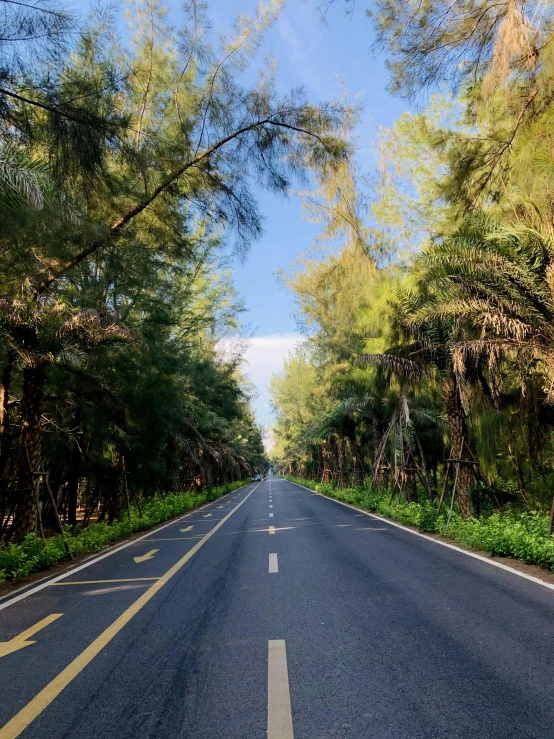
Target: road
(277, 612)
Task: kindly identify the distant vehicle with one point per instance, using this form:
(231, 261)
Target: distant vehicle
(256, 478)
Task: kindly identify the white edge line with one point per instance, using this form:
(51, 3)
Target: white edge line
(112, 550)
(501, 566)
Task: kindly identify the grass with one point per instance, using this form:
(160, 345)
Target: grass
(34, 554)
(509, 533)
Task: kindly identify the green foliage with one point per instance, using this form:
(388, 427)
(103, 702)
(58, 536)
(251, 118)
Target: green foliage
(129, 173)
(34, 554)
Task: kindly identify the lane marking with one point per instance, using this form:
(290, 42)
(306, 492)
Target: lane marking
(262, 531)
(188, 528)
(473, 555)
(271, 515)
(17, 595)
(279, 714)
(94, 582)
(22, 640)
(36, 706)
(273, 564)
(271, 506)
(144, 557)
(206, 515)
(219, 506)
(179, 538)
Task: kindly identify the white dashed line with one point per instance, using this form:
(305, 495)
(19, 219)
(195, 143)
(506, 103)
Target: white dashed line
(279, 715)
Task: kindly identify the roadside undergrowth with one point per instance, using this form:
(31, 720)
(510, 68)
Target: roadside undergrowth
(509, 533)
(34, 554)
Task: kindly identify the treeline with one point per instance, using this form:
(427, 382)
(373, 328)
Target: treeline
(128, 176)
(428, 367)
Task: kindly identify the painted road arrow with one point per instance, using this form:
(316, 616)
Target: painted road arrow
(146, 556)
(184, 531)
(206, 515)
(22, 641)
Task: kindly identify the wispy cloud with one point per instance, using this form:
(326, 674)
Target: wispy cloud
(301, 42)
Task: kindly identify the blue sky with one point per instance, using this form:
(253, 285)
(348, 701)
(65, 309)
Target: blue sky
(310, 54)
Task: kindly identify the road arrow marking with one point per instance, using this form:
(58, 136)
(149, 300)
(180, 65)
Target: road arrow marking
(21, 641)
(206, 515)
(146, 556)
(220, 506)
(189, 528)
(18, 723)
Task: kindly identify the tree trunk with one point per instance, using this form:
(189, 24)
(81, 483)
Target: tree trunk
(114, 492)
(459, 449)
(357, 462)
(4, 390)
(5, 436)
(378, 434)
(73, 477)
(326, 476)
(341, 461)
(34, 380)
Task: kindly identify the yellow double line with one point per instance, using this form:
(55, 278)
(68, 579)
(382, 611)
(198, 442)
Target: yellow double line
(42, 700)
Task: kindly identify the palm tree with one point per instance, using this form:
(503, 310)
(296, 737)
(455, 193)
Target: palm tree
(343, 423)
(421, 355)
(497, 282)
(44, 335)
(21, 179)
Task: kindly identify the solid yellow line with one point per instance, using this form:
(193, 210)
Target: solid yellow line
(279, 714)
(34, 708)
(95, 582)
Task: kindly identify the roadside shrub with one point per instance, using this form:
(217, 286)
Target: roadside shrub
(34, 554)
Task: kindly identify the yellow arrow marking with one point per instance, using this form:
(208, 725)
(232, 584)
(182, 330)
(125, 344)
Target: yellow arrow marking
(146, 556)
(18, 723)
(189, 528)
(220, 506)
(206, 515)
(21, 641)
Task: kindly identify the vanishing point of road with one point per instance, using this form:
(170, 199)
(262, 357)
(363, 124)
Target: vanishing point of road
(277, 612)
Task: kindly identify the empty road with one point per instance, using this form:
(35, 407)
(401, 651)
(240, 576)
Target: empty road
(277, 612)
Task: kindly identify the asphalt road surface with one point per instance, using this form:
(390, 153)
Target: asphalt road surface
(277, 612)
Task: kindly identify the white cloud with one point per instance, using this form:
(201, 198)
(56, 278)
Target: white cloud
(262, 357)
(302, 48)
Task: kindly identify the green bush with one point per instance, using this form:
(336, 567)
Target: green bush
(34, 554)
(522, 535)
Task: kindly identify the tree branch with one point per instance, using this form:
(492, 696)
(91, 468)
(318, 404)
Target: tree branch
(118, 225)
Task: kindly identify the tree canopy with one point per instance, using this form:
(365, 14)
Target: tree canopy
(435, 352)
(129, 171)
